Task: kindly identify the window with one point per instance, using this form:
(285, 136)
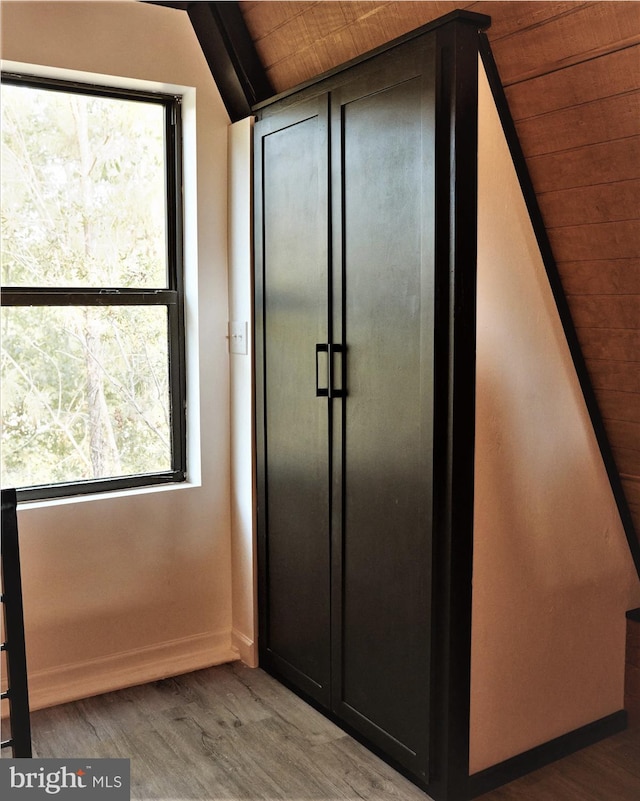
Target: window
(93, 384)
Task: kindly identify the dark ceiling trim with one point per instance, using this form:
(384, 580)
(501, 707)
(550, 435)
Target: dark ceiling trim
(230, 54)
(170, 4)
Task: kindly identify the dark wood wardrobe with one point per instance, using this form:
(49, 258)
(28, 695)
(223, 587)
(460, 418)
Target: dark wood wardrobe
(365, 251)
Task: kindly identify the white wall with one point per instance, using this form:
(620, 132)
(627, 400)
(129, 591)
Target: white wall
(125, 588)
(243, 523)
(552, 572)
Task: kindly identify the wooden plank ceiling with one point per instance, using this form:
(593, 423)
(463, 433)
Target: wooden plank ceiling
(571, 73)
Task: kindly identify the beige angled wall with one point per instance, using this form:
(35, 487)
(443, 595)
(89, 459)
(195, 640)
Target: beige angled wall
(131, 587)
(553, 575)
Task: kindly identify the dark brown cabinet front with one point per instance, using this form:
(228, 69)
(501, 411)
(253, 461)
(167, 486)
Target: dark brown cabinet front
(347, 308)
(296, 424)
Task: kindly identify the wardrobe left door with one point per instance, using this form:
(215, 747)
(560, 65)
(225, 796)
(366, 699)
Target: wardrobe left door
(292, 336)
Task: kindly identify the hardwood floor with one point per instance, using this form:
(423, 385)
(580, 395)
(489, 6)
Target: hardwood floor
(606, 771)
(230, 733)
(227, 733)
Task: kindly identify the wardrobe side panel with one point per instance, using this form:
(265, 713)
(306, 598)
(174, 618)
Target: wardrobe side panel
(553, 575)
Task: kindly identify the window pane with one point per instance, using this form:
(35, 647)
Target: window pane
(84, 393)
(83, 190)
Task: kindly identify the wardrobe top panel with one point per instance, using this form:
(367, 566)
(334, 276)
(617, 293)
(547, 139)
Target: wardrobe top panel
(406, 44)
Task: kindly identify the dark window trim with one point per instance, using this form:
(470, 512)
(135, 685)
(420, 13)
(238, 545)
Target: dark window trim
(77, 87)
(55, 296)
(171, 296)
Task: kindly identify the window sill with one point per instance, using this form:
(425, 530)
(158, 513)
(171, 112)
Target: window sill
(113, 495)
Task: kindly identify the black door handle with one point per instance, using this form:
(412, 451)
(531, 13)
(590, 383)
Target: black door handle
(330, 390)
(322, 392)
(340, 391)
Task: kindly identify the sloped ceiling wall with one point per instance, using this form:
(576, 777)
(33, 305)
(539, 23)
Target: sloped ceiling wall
(571, 73)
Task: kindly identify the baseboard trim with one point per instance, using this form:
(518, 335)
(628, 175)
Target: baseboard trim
(545, 754)
(246, 648)
(71, 682)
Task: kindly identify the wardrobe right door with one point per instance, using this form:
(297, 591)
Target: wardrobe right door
(383, 204)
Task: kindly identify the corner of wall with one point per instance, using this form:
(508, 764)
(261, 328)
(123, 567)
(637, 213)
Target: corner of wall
(241, 397)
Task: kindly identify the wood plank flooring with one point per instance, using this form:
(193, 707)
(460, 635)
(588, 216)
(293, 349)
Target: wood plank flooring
(231, 733)
(227, 733)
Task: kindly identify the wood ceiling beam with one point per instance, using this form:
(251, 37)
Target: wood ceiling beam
(230, 54)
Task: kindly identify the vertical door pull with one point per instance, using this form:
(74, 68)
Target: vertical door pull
(322, 392)
(337, 376)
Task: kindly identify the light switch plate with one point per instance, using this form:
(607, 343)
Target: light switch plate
(238, 337)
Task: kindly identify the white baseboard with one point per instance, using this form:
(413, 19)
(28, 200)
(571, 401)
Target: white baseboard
(246, 648)
(96, 676)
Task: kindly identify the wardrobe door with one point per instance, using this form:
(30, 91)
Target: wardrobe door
(383, 139)
(292, 416)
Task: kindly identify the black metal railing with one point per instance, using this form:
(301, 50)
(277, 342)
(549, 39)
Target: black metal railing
(17, 693)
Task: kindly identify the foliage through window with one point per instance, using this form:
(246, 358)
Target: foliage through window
(92, 309)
